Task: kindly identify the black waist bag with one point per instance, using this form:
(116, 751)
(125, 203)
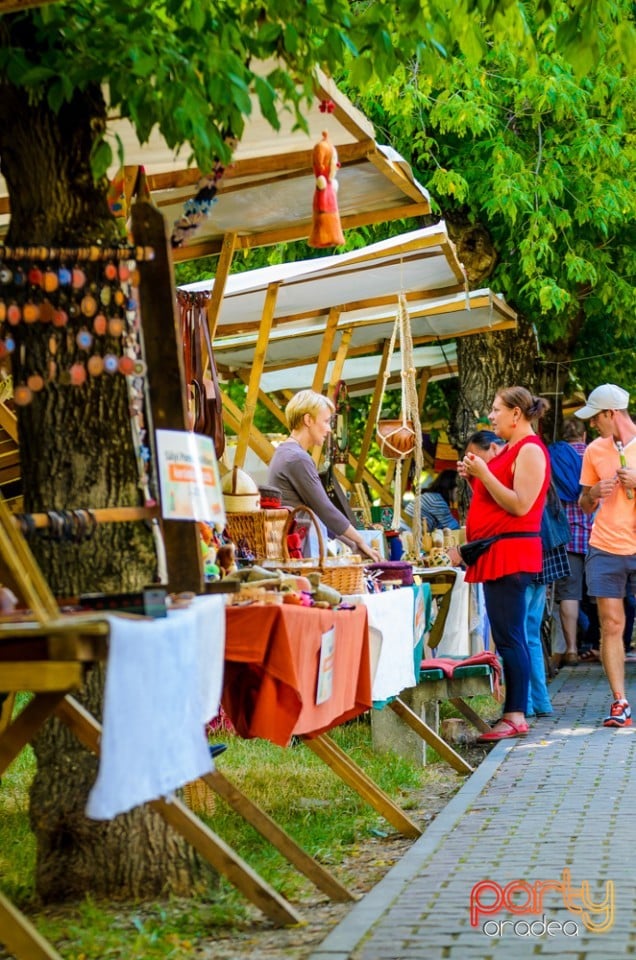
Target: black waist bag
(472, 551)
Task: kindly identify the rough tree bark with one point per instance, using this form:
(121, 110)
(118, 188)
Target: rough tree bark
(77, 451)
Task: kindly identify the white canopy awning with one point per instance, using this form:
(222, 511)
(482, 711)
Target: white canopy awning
(362, 288)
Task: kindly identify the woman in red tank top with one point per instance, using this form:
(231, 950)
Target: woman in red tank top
(508, 497)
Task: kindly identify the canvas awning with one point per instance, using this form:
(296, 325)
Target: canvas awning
(314, 322)
(265, 196)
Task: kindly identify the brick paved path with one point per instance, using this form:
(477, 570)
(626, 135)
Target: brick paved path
(564, 799)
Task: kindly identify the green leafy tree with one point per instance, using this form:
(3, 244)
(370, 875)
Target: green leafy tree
(533, 169)
(183, 66)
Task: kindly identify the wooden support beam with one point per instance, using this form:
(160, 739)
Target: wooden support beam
(325, 350)
(348, 771)
(211, 847)
(269, 829)
(467, 711)
(336, 374)
(428, 734)
(232, 416)
(163, 350)
(220, 280)
(20, 936)
(26, 724)
(20, 562)
(258, 363)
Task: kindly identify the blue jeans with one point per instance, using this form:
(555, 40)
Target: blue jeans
(538, 696)
(506, 606)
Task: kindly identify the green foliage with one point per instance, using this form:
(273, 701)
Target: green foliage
(185, 65)
(543, 157)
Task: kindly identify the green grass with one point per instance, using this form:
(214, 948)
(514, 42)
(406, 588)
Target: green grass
(294, 786)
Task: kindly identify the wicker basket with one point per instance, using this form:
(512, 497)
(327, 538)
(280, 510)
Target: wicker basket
(199, 797)
(262, 529)
(345, 576)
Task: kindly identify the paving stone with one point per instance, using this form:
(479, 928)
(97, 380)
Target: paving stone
(562, 800)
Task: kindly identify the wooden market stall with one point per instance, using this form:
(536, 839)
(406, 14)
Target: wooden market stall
(300, 324)
(264, 197)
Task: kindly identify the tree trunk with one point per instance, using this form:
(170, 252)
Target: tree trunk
(77, 451)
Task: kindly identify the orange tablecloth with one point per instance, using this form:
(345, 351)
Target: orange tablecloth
(271, 670)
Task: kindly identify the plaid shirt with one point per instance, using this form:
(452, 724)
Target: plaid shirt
(580, 523)
(555, 566)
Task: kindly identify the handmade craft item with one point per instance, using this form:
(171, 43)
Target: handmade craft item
(326, 229)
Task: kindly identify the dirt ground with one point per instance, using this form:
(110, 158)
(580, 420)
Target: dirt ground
(367, 865)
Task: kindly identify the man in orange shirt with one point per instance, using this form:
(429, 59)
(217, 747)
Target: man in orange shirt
(608, 480)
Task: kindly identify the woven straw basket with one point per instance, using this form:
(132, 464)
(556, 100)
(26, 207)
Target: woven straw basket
(262, 529)
(199, 797)
(344, 576)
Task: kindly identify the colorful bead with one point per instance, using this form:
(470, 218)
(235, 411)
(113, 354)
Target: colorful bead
(77, 374)
(50, 281)
(111, 363)
(35, 276)
(95, 365)
(14, 314)
(6, 275)
(110, 271)
(46, 311)
(60, 318)
(3, 311)
(126, 366)
(115, 326)
(88, 305)
(30, 312)
(78, 278)
(22, 396)
(100, 325)
(64, 276)
(35, 382)
(84, 339)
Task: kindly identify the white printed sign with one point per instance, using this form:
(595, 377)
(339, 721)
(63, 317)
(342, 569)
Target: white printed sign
(325, 667)
(189, 477)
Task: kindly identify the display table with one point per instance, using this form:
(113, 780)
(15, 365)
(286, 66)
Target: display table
(272, 667)
(49, 660)
(272, 658)
(398, 621)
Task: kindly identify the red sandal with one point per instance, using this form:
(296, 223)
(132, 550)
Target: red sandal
(516, 730)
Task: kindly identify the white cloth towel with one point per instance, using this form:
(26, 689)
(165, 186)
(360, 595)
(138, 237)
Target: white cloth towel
(455, 641)
(163, 683)
(391, 628)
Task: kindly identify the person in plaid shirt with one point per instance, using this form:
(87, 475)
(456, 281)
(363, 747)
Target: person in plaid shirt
(566, 459)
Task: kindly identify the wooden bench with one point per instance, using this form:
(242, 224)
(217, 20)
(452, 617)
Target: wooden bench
(418, 708)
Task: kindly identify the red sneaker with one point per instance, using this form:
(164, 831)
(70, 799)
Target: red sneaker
(620, 715)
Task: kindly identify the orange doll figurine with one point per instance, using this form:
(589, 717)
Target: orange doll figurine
(326, 230)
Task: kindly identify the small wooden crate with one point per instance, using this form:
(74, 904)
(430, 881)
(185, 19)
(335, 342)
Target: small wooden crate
(262, 529)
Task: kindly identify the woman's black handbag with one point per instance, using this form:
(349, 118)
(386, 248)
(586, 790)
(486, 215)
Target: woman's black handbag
(472, 551)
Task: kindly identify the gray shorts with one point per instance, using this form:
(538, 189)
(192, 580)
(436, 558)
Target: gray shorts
(571, 588)
(610, 574)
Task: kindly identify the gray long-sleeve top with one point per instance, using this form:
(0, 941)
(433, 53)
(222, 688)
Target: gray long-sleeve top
(293, 472)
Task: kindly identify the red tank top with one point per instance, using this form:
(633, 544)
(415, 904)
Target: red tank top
(486, 518)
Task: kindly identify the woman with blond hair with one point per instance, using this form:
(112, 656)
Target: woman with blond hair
(292, 469)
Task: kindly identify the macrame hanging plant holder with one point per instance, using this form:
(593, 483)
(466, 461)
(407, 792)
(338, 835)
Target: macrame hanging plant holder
(402, 437)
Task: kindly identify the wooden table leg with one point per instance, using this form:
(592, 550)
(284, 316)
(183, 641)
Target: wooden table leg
(278, 837)
(348, 771)
(20, 936)
(26, 724)
(221, 856)
(428, 734)
(467, 711)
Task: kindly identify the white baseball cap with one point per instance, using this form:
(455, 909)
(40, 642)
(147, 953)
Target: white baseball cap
(606, 397)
